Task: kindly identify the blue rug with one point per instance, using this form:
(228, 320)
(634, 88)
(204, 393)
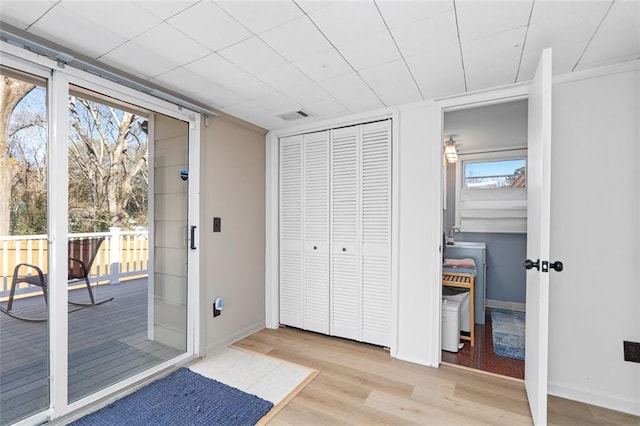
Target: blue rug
(508, 333)
(182, 398)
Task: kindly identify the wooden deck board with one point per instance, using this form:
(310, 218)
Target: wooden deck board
(107, 343)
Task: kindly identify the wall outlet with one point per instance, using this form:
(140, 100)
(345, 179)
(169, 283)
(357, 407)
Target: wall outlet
(631, 351)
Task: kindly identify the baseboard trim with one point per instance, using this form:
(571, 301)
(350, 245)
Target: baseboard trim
(233, 338)
(593, 398)
(510, 306)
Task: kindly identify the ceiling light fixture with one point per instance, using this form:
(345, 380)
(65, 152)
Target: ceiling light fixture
(450, 150)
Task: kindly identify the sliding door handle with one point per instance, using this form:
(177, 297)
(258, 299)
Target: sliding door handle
(193, 238)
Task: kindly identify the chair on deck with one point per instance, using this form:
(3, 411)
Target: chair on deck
(82, 253)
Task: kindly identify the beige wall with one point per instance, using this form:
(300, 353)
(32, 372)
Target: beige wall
(232, 188)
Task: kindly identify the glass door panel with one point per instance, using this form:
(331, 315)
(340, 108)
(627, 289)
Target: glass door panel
(115, 328)
(24, 193)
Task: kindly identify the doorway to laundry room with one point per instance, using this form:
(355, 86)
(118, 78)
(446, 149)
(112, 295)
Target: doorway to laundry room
(485, 237)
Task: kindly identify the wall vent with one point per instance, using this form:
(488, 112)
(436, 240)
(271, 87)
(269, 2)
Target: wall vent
(295, 115)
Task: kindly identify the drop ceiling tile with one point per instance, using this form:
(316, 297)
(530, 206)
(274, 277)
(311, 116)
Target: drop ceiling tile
(435, 33)
(217, 96)
(480, 19)
(308, 94)
(253, 55)
(623, 16)
(561, 10)
(296, 39)
(400, 13)
(565, 57)
(391, 74)
(399, 94)
(611, 48)
(277, 103)
(270, 122)
(127, 19)
(327, 108)
(21, 13)
(324, 65)
(220, 71)
(182, 80)
(579, 26)
(63, 26)
(137, 60)
(247, 109)
(209, 25)
(165, 9)
(310, 6)
(259, 16)
(438, 73)
(352, 92)
(284, 77)
(372, 50)
(346, 21)
(505, 46)
(166, 41)
(484, 75)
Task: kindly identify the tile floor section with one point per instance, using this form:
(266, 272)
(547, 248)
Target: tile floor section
(269, 378)
(482, 357)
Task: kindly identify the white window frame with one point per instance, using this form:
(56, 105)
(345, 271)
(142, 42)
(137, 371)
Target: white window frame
(500, 210)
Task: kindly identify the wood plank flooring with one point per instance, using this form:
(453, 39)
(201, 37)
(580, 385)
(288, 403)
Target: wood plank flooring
(107, 343)
(361, 384)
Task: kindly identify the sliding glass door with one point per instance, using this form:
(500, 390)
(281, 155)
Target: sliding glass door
(24, 238)
(101, 190)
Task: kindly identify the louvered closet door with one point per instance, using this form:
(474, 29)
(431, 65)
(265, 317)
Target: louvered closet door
(316, 232)
(344, 268)
(291, 231)
(376, 232)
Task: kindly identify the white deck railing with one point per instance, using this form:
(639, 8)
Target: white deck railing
(123, 255)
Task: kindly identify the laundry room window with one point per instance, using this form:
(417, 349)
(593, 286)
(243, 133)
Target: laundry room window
(510, 173)
(491, 193)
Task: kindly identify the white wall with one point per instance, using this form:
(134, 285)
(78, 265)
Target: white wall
(232, 261)
(595, 301)
(419, 176)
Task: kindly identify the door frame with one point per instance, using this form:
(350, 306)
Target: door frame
(59, 78)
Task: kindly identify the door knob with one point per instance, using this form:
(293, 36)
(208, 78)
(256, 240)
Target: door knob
(528, 264)
(557, 265)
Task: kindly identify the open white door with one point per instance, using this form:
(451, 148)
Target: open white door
(538, 236)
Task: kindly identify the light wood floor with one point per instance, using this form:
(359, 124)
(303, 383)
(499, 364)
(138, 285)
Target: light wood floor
(362, 384)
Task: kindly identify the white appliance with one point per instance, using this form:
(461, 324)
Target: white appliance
(450, 325)
(463, 299)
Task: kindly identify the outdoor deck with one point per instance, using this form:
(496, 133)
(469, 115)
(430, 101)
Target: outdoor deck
(107, 343)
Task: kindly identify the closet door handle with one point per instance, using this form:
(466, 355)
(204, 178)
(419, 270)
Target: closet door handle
(315, 247)
(529, 264)
(344, 249)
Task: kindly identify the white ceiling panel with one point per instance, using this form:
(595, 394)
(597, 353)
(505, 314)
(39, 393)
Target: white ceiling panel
(62, 26)
(324, 65)
(259, 16)
(400, 13)
(137, 60)
(277, 103)
(209, 25)
(166, 41)
(253, 55)
(352, 92)
(344, 83)
(346, 21)
(312, 5)
(308, 94)
(435, 33)
(327, 108)
(126, 19)
(217, 96)
(499, 72)
(284, 77)
(165, 9)
(22, 13)
(438, 73)
(246, 109)
(375, 49)
(399, 94)
(565, 57)
(391, 74)
(296, 39)
(563, 9)
(183, 80)
(220, 71)
(622, 16)
(481, 19)
(611, 48)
